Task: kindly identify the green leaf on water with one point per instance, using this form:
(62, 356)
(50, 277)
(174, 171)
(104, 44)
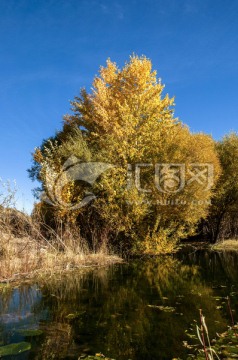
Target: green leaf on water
(75, 315)
(14, 349)
(163, 308)
(25, 332)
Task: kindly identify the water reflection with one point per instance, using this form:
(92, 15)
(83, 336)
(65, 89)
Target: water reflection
(106, 310)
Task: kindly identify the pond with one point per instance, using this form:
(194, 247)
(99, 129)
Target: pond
(140, 310)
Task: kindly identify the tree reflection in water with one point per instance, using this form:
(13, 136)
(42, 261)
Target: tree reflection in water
(106, 310)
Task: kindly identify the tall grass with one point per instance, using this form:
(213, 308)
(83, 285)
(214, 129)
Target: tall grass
(28, 246)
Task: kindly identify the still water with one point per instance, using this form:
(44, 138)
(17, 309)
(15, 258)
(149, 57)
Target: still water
(140, 310)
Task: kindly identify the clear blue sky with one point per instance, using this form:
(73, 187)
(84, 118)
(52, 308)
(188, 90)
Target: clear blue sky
(50, 49)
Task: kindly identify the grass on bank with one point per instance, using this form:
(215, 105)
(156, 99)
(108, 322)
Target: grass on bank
(231, 244)
(26, 257)
(26, 251)
(29, 247)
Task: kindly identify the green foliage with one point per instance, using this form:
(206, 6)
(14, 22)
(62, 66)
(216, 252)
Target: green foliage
(223, 213)
(30, 332)
(96, 357)
(14, 349)
(224, 346)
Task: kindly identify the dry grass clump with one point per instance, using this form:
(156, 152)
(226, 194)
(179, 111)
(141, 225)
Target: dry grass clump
(28, 246)
(17, 256)
(26, 256)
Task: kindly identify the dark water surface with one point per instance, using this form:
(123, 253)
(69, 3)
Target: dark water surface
(119, 312)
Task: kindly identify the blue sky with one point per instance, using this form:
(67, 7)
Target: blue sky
(50, 49)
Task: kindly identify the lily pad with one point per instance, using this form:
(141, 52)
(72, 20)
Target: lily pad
(163, 308)
(74, 315)
(14, 349)
(97, 356)
(25, 332)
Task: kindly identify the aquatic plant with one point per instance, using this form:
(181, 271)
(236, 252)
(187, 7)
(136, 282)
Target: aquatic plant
(14, 349)
(224, 346)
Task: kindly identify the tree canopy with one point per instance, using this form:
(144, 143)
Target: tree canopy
(159, 177)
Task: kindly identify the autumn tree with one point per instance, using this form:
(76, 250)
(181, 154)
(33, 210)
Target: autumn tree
(160, 181)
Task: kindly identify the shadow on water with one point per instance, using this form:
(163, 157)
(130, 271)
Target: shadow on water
(138, 310)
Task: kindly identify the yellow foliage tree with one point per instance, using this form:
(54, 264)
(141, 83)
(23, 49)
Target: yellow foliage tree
(155, 192)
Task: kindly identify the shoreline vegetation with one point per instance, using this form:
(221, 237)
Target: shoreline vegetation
(39, 261)
(27, 252)
(25, 258)
(226, 245)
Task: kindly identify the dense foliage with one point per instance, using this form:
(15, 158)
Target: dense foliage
(148, 190)
(222, 222)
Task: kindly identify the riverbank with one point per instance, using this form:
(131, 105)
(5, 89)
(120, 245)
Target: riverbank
(226, 245)
(25, 258)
